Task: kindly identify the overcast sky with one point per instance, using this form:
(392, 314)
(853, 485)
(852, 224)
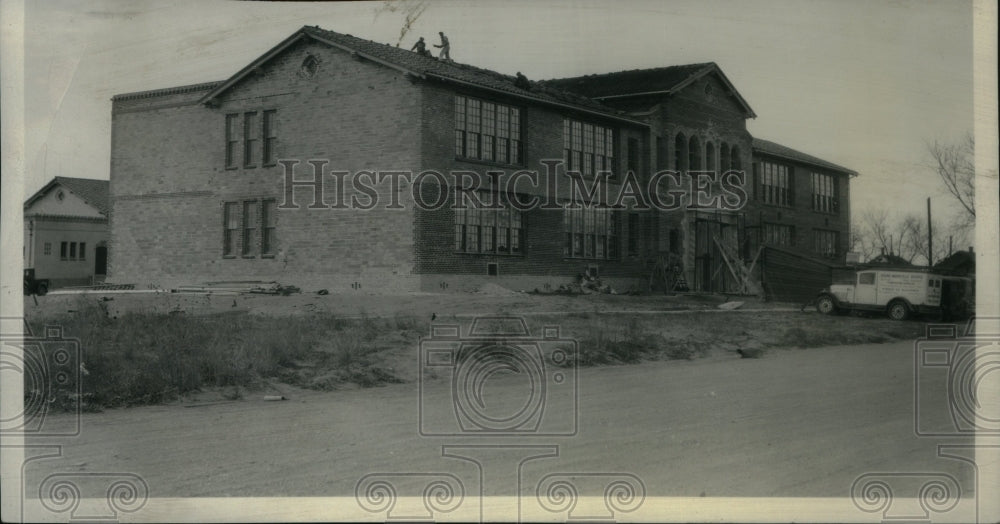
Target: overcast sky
(860, 83)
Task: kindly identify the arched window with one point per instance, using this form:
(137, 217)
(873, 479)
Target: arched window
(735, 163)
(724, 157)
(680, 147)
(709, 156)
(694, 154)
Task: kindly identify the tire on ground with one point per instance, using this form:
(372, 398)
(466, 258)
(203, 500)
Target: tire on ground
(826, 305)
(898, 310)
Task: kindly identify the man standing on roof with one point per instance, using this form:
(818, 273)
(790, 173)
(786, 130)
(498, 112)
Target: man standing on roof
(444, 47)
(420, 47)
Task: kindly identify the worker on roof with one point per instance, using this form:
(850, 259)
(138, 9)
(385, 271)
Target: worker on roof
(420, 47)
(445, 47)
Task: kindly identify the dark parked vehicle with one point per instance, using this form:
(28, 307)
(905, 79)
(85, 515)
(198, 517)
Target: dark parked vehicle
(33, 286)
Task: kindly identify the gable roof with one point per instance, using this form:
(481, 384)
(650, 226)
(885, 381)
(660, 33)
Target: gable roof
(93, 192)
(775, 149)
(641, 82)
(425, 67)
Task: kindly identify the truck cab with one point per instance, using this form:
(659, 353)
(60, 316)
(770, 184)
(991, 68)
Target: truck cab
(899, 293)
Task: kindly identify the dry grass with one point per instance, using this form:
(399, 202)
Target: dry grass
(152, 357)
(147, 358)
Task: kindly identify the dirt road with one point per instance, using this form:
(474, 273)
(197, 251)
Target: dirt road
(794, 423)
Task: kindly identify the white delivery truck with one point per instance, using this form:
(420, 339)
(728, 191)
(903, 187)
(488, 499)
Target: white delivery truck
(899, 292)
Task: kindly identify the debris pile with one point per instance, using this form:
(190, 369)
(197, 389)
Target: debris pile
(240, 287)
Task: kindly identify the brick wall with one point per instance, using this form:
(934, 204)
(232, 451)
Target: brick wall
(712, 116)
(169, 178)
(543, 261)
(799, 212)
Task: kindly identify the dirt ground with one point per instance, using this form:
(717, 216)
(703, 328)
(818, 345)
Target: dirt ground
(793, 424)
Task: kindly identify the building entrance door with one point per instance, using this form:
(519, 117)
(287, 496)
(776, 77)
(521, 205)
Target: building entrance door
(101, 261)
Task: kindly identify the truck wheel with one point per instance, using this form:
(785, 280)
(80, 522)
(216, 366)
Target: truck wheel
(826, 306)
(41, 289)
(898, 310)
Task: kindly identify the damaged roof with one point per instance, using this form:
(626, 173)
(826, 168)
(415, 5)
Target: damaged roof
(428, 68)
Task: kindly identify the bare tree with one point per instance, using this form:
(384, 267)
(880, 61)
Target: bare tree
(904, 236)
(955, 164)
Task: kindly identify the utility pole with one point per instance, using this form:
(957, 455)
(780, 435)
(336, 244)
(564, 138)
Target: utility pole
(930, 236)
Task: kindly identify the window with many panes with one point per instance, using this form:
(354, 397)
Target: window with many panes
(825, 242)
(778, 235)
(775, 184)
(480, 228)
(823, 193)
(251, 139)
(487, 131)
(249, 228)
(588, 148)
(590, 232)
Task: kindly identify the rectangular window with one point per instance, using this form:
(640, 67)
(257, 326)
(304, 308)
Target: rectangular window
(230, 225)
(826, 243)
(774, 184)
(270, 137)
(83, 251)
(63, 250)
(250, 212)
(515, 134)
(250, 138)
(72, 250)
(487, 131)
(232, 140)
(588, 148)
(633, 155)
(779, 235)
(591, 232)
(823, 193)
(267, 228)
(633, 233)
(47, 248)
(488, 230)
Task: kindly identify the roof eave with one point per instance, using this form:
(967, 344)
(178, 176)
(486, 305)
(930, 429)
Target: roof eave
(833, 167)
(38, 194)
(285, 44)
